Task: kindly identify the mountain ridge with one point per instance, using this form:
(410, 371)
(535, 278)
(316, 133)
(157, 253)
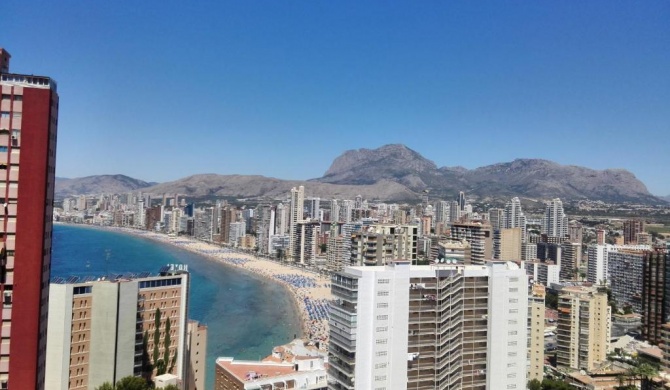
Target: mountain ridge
(395, 173)
(537, 178)
(97, 184)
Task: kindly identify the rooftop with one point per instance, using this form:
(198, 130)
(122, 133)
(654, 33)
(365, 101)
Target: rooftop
(251, 370)
(31, 81)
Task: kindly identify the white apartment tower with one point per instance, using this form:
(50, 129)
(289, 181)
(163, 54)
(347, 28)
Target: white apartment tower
(334, 211)
(281, 219)
(514, 217)
(295, 215)
(555, 222)
(429, 327)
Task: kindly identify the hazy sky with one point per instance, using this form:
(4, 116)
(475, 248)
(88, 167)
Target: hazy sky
(159, 90)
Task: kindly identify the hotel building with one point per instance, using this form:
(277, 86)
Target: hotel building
(429, 327)
(101, 330)
(28, 127)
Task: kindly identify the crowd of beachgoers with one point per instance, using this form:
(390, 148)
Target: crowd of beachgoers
(310, 291)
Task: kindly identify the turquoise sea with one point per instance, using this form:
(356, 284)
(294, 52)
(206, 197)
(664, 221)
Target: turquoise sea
(246, 315)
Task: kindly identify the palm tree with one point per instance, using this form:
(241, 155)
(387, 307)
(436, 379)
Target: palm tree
(646, 372)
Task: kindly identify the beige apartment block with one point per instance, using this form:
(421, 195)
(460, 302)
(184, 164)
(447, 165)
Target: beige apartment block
(510, 244)
(584, 328)
(196, 349)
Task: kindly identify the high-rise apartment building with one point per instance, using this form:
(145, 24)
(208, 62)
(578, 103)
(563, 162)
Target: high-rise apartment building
(379, 244)
(576, 232)
(631, 228)
(429, 327)
(510, 244)
(624, 267)
(597, 264)
(478, 235)
(571, 259)
(104, 330)
(196, 356)
(555, 222)
(514, 217)
(338, 256)
(313, 206)
(461, 201)
(282, 218)
(497, 219)
(28, 128)
(295, 216)
(334, 210)
(655, 295)
(442, 210)
(263, 218)
(584, 328)
(536, 310)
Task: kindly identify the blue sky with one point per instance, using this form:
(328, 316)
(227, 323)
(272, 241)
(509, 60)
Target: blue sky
(159, 90)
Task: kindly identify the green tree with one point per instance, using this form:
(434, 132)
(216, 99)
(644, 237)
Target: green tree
(534, 385)
(323, 247)
(552, 384)
(147, 367)
(105, 386)
(551, 300)
(166, 352)
(646, 372)
(132, 383)
(170, 387)
(157, 334)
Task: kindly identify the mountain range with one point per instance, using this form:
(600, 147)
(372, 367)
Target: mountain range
(397, 173)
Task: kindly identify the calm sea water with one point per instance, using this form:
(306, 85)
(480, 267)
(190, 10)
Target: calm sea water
(246, 315)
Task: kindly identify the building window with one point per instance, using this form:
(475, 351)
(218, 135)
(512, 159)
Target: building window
(4, 114)
(382, 293)
(3, 149)
(383, 281)
(381, 353)
(382, 318)
(381, 341)
(382, 328)
(382, 305)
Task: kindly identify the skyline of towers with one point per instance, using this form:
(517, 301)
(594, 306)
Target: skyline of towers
(28, 132)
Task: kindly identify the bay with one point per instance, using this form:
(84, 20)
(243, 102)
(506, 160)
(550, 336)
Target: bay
(245, 314)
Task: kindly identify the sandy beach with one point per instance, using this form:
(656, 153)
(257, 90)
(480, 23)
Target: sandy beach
(310, 291)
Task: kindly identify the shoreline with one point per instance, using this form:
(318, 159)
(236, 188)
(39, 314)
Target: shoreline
(309, 292)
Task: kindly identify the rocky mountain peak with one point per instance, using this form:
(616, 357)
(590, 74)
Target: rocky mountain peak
(371, 165)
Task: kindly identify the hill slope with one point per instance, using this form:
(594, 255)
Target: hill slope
(98, 184)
